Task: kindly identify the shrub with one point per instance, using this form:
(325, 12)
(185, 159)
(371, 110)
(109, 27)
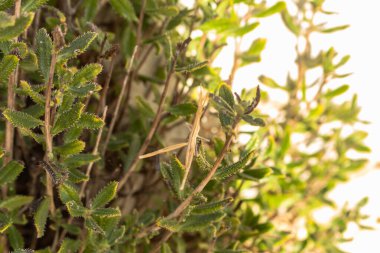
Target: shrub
(96, 97)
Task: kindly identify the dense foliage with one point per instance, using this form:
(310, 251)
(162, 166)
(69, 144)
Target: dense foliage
(119, 135)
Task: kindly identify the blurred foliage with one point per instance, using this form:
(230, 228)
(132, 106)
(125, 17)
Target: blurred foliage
(71, 175)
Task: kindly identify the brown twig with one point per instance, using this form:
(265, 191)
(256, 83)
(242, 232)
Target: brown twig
(94, 152)
(48, 137)
(156, 120)
(178, 211)
(120, 98)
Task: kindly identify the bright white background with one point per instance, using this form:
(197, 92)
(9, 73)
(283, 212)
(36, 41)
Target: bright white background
(362, 42)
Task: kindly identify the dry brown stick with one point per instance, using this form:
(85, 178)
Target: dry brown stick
(178, 211)
(11, 96)
(94, 152)
(156, 119)
(48, 137)
(103, 96)
(120, 98)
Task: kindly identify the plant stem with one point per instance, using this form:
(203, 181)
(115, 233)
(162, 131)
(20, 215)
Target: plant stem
(120, 98)
(153, 128)
(94, 152)
(178, 211)
(48, 137)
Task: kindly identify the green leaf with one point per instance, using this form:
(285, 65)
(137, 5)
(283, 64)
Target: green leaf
(76, 210)
(70, 148)
(290, 22)
(226, 94)
(168, 11)
(105, 195)
(44, 50)
(67, 119)
(6, 19)
(185, 109)
(199, 222)
(68, 192)
(76, 47)
(336, 92)
(86, 74)
(84, 90)
(256, 174)
(165, 248)
(78, 160)
(10, 172)
(5, 222)
(76, 176)
(173, 174)
(254, 51)
(32, 5)
(211, 207)
(69, 246)
(22, 119)
(91, 9)
(230, 170)
(244, 29)
(7, 65)
(21, 24)
(253, 121)
(15, 238)
(91, 224)
(89, 121)
(106, 212)
(6, 4)
(271, 10)
(335, 29)
(270, 82)
(116, 235)
(40, 217)
(125, 9)
(191, 67)
(169, 224)
(15, 202)
(35, 96)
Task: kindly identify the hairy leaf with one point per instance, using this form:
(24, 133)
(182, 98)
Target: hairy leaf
(35, 96)
(68, 192)
(15, 238)
(67, 119)
(32, 5)
(70, 148)
(211, 207)
(7, 65)
(106, 212)
(89, 121)
(76, 47)
(86, 74)
(40, 217)
(191, 67)
(124, 8)
(44, 50)
(76, 209)
(22, 119)
(230, 170)
(21, 24)
(10, 172)
(15, 202)
(105, 195)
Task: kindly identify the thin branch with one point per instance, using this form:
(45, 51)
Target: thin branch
(156, 120)
(48, 137)
(103, 96)
(120, 98)
(178, 211)
(94, 152)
